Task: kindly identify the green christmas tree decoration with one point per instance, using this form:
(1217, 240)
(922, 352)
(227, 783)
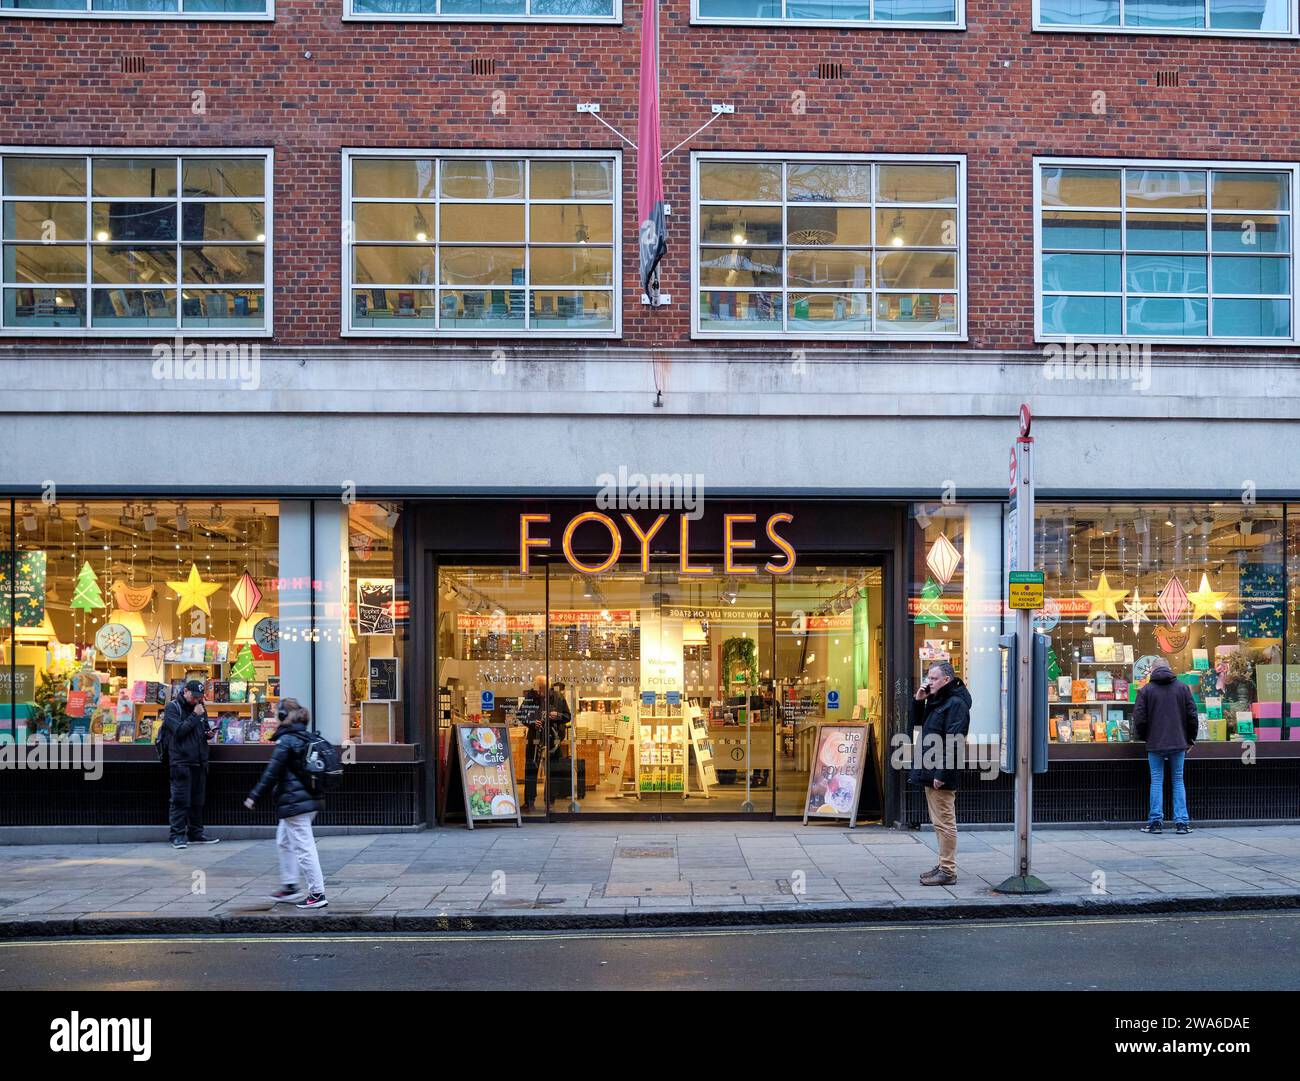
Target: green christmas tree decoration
(243, 667)
(86, 594)
(1053, 666)
(929, 615)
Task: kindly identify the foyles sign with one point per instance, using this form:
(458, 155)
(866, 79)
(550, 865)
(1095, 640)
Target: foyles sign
(607, 534)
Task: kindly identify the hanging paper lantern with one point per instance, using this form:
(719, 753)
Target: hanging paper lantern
(942, 559)
(1101, 601)
(193, 592)
(155, 648)
(1135, 611)
(1173, 600)
(1205, 601)
(113, 640)
(245, 595)
(266, 633)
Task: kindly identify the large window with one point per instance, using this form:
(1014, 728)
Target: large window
(485, 11)
(829, 247)
(949, 14)
(141, 9)
(135, 242)
(482, 245)
(1246, 18)
(1165, 251)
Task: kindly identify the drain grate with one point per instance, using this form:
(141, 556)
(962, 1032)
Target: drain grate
(644, 854)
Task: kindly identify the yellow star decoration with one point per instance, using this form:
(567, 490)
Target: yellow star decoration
(194, 592)
(1205, 601)
(1101, 601)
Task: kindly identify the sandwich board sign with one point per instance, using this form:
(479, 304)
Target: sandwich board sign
(835, 778)
(486, 774)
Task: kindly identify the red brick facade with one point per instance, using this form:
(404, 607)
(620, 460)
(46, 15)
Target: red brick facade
(996, 92)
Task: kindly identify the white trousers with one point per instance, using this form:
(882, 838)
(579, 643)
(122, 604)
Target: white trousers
(296, 848)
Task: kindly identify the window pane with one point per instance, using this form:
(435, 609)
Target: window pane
(225, 178)
(573, 266)
(917, 228)
(1169, 188)
(1072, 229)
(740, 181)
(1065, 185)
(483, 7)
(45, 263)
(916, 184)
(1166, 232)
(472, 222)
(50, 222)
(573, 8)
(228, 7)
(395, 7)
(740, 9)
(578, 309)
(830, 313)
(917, 11)
(133, 221)
(473, 179)
(133, 5)
(1082, 316)
(140, 178)
(830, 269)
(1079, 12)
(582, 223)
(1081, 273)
(133, 307)
(1271, 15)
(222, 308)
(745, 312)
(393, 178)
(1251, 191)
(826, 183)
(45, 176)
(495, 309)
(844, 10)
(45, 307)
(44, 5)
(828, 225)
(916, 313)
(1164, 12)
(223, 265)
(1258, 232)
(554, 179)
(482, 266)
(740, 224)
(740, 266)
(224, 221)
(395, 221)
(1167, 316)
(380, 307)
(144, 266)
(1166, 274)
(1252, 318)
(1252, 275)
(395, 265)
(916, 270)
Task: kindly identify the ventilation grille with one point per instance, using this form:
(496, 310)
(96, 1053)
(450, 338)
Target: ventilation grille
(830, 71)
(482, 65)
(133, 65)
(1167, 78)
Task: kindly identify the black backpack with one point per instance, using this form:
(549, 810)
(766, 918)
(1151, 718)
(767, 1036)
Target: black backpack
(321, 764)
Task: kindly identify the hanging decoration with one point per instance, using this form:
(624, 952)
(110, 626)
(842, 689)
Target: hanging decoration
(131, 598)
(1047, 617)
(929, 614)
(86, 595)
(246, 595)
(266, 634)
(1053, 665)
(1101, 601)
(1173, 601)
(243, 667)
(1261, 600)
(193, 592)
(113, 640)
(1135, 611)
(942, 559)
(1206, 601)
(155, 648)
(1171, 641)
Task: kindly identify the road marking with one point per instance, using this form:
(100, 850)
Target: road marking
(612, 935)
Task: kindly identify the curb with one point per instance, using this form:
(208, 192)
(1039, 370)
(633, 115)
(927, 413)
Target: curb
(24, 927)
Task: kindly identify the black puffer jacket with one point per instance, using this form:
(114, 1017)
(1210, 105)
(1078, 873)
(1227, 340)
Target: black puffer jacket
(184, 733)
(283, 775)
(1165, 713)
(944, 713)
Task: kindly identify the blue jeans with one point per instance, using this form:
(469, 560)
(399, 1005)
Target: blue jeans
(1156, 760)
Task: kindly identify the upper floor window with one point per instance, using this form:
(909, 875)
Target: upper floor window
(821, 246)
(125, 242)
(488, 11)
(891, 13)
(482, 244)
(141, 9)
(1165, 250)
(1246, 18)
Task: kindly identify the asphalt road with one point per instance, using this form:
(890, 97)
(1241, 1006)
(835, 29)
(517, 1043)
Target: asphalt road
(1183, 952)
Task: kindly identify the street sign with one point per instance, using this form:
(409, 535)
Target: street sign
(1026, 589)
(1026, 418)
(486, 702)
(1014, 469)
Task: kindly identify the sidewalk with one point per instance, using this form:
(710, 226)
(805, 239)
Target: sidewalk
(635, 874)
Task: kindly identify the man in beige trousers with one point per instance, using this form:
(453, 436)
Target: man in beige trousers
(942, 708)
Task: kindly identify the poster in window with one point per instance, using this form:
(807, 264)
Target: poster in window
(375, 606)
(384, 681)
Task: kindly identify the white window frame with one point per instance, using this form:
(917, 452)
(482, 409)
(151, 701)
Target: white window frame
(958, 160)
(1040, 164)
(615, 157)
(90, 331)
(349, 15)
(854, 24)
(1205, 31)
(195, 16)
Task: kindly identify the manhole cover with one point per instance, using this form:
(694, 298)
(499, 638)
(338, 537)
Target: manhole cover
(645, 853)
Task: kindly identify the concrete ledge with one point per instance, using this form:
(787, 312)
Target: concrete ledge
(96, 925)
(119, 835)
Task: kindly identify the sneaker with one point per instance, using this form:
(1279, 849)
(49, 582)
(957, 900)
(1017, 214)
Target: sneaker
(287, 894)
(204, 839)
(314, 900)
(1153, 827)
(1183, 827)
(937, 877)
(180, 842)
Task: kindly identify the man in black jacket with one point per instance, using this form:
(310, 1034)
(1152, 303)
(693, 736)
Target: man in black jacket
(1165, 717)
(942, 708)
(547, 716)
(184, 739)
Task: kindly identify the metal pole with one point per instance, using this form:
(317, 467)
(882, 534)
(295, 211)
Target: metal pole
(1025, 674)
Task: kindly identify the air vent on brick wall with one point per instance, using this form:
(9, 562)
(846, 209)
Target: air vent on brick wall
(483, 65)
(830, 71)
(133, 65)
(1167, 78)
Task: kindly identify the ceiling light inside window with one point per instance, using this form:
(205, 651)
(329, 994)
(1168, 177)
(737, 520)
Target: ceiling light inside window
(83, 518)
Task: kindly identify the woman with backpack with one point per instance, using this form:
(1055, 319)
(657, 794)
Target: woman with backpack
(296, 804)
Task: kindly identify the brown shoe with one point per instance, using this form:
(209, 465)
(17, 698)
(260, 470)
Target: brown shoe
(937, 877)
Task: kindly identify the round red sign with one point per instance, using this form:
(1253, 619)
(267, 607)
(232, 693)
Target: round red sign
(1013, 469)
(1026, 419)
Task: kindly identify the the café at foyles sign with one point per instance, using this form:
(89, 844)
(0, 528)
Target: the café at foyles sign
(740, 533)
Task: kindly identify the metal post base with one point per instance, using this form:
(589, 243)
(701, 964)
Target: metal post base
(747, 807)
(1022, 884)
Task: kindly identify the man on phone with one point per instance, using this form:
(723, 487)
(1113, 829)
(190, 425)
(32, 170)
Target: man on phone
(942, 708)
(546, 714)
(184, 736)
